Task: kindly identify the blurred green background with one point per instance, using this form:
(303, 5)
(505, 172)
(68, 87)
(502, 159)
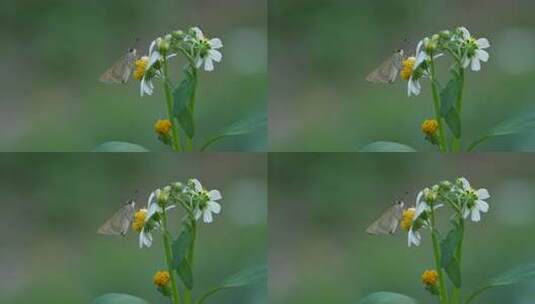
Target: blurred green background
(320, 52)
(53, 204)
(320, 205)
(55, 51)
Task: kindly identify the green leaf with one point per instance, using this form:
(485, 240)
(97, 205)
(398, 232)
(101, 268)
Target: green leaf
(185, 274)
(119, 146)
(384, 297)
(519, 124)
(118, 298)
(183, 103)
(448, 96)
(241, 127)
(507, 278)
(386, 146)
(448, 247)
(181, 247)
(243, 278)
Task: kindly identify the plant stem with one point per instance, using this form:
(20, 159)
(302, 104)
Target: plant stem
(169, 257)
(192, 107)
(443, 293)
(169, 100)
(456, 143)
(436, 102)
(456, 293)
(187, 292)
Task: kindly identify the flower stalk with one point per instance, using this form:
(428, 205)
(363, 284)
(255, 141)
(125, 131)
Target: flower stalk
(175, 296)
(443, 293)
(436, 102)
(169, 102)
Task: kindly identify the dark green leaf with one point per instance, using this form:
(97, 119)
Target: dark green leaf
(384, 297)
(448, 247)
(119, 146)
(453, 120)
(520, 124)
(185, 274)
(183, 99)
(449, 95)
(243, 278)
(386, 146)
(513, 276)
(181, 247)
(240, 127)
(118, 298)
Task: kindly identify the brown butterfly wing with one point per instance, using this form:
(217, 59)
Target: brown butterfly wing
(119, 223)
(388, 221)
(121, 70)
(388, 71)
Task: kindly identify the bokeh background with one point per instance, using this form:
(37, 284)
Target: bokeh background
(55, 51)
(321, 51)
(320, 205)
(52, 205)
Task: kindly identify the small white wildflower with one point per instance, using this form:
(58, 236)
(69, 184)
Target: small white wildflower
(476, 203)
(208, 50)
(207, 204)
(153, 208)
(474, 53)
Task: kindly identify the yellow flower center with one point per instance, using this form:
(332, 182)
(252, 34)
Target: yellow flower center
(430, 277)
(140, 67)
(407, 68)
(429, 126)
(161, 278)
(139, 220)
(162, 126)
(407, 218)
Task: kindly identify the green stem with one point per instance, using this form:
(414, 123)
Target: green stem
(187, 292)
(443, 293)
(456, 144)
(436, 101)
(169, 99)
(189, 142)
(169, 257)
(458, 254)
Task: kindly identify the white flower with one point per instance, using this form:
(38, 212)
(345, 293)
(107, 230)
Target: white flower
(145, 236)
(475, 53)
(414, 87)
(478, 204)
(414, 236)
(209, 52)
(146, 86)
(209, 204)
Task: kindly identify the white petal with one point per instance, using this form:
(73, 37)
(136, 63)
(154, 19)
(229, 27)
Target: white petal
(214, 207)
(196, 185)
(152, 44)
(482, 55)
(420, 43)
(151, 197)
(215, 55)
(216, 43)
(482, 43)
(482, 206)
(466, 183)
(198, 33)
(155, 56)
(420, 57)
(466, 212)
(207, 216)
(214, 195)
(482, 194)
(476, 65)
(198, 214)
(208, 64)
(475, 215)
(466, 62)
(465, 32)
(169, 207)
(198, 63)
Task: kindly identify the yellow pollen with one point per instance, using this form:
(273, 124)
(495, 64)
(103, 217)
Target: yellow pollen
(161, 278)
(430, 277)
(140, 67)
(162, 126)
(139, 220)
(407, 218)
(407, 68)
(429, 126)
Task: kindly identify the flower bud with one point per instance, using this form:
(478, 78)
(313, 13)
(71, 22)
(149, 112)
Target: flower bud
(445, 185)
(163, 45)
(430, 196)
(178, 187)
(179, 35)
(445, 34)
(162, 197)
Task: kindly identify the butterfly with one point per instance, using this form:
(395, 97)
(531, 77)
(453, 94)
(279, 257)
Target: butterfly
(120, 222)
(388, 71)
(388, 221)
(121, 70)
